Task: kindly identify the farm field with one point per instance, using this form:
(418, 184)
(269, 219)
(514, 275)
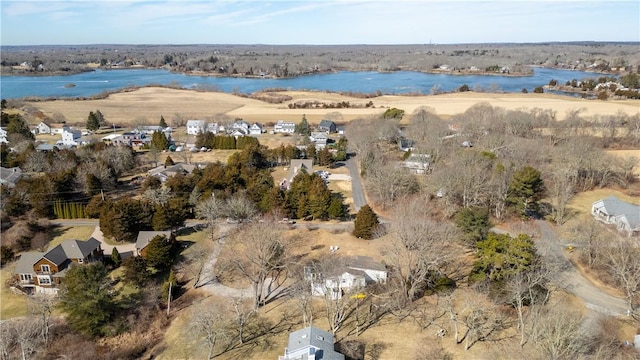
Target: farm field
(152, 102)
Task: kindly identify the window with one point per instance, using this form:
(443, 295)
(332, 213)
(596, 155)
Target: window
(44, 280)
(25, 277)
(45, 268)
(80, 261)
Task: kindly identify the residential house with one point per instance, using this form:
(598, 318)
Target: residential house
(311, 343)
(418, 163)
(71, 137)
(195, 127)
(284, 127)
(43, 272)
(327, 126)
(10, 176)
(612, 210)
(214, 128)
(319, 139)
(240, 125)
(338, 282)
(44, 127)
(164, 172)
(255, 129)
(349, 275)
(340, 129)
(145, 237)
(375, 272)
(58, 129)
(149, 129)
(295, 167)
(3, 136)
(48, 147)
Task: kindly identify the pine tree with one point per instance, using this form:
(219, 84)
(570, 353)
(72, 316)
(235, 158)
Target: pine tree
(115, 257)
(163, 123)
(366, 223)
(93, 123)
(169, 161)
(303, 127)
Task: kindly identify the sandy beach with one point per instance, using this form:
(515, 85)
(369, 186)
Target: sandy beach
(152, 102)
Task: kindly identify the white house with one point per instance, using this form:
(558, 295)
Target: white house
(70, 137)
(284, 127)
(255, 129)
(49, 127)
(336, 284)
(195, 127)
(355, 273)
(320, 139)
(311, 343)
(624, 215)
(241, 124)
(214, 128)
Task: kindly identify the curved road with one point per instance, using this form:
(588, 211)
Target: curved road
(552, 248)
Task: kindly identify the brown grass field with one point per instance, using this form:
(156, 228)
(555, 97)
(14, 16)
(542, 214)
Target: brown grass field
(152, 102)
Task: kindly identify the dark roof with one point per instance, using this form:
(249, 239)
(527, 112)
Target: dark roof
(56, 255)
(327, 123)
(76, 249)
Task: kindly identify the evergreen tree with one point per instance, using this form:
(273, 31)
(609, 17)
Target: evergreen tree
(101, 120)
(17, 125)
(163, 123)
(159, 253)
(115, 257)
(135, 271)
(169, 161)
(88, 299)
(525, 189)
(366, 223)
(336, 208)
(159, 141)
(474, 224)
(303, 127)
(93, 123)
(501, 256)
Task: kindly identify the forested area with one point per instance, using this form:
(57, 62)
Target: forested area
(295, 60)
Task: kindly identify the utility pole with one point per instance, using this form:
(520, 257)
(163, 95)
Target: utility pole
(169, 298)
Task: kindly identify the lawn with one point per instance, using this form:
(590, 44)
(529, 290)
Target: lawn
(11, 305)
(582, 202)
(61, 233)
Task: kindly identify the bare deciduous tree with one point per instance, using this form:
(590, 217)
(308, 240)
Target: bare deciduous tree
(556, 332)
(211, 322)
(419, 248)
(210, 209)
(262, 257)
(240, 208)
(623, 265)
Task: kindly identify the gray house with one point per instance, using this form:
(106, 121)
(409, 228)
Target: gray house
(624, 215)
(327, 126)
(311, 343)
(145, 237)
(10, 176)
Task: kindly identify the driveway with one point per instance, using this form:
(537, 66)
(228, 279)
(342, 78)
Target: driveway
(551, 247)
(359, 199)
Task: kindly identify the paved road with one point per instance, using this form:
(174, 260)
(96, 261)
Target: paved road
(359, 200)
(552, 248)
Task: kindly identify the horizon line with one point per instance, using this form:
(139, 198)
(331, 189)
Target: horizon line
(569, 42)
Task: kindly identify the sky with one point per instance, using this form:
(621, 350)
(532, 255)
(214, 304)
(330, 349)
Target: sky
(315, 22)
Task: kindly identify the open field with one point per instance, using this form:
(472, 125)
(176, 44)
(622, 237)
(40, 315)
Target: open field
(11, 305)
(152, 102)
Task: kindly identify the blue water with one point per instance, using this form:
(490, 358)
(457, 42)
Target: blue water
(400, 82)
